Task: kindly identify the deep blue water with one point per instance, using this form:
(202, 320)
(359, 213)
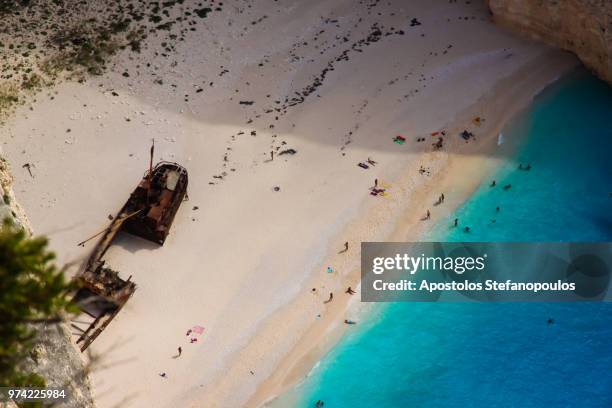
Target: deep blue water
(504, 354)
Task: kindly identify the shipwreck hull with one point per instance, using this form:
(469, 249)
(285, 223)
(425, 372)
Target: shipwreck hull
(148, 213)
(157, 200)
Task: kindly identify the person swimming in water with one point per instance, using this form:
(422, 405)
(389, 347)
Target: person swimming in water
(493, 184)
(456, 222)
(466, 229)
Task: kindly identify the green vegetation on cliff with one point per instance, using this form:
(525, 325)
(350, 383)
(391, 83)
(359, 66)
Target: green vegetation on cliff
(33, 291)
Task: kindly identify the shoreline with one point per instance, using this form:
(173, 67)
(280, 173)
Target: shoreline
(243, 256)
(321, 338)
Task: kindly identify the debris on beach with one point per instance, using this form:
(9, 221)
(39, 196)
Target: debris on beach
(378, 192)
(194, 332)
(399, 139)
(287, 151)
(466, 135)
(439, 144)
(28, 167)
(477, 121)
(415, 22)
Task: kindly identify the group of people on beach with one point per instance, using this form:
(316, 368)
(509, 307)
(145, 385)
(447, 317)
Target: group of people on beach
(376, 191)
(349, 290)
(192, 334)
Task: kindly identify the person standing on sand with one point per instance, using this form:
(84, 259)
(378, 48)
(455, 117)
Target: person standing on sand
(180, 351)
(331, 297)
(375, 183)
(350, 291)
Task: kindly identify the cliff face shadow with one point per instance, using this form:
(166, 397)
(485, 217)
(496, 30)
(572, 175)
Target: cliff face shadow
(347, 75)
(384, 78)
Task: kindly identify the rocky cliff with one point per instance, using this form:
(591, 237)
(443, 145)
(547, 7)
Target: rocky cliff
(583, 27)
(8, 205)
(54, 357)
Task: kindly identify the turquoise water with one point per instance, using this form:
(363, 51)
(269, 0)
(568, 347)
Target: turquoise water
(499, 355)
(567, 194)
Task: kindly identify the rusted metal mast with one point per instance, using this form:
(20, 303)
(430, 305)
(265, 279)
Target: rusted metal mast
(150, 178)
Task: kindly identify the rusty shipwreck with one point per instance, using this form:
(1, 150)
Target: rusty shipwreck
(148, 213)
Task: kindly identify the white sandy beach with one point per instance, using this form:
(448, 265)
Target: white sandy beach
(244, 262)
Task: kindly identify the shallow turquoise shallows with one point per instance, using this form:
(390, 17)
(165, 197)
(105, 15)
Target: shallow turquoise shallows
(499, 355)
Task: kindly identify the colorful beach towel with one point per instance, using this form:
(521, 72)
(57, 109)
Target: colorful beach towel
(399, 139)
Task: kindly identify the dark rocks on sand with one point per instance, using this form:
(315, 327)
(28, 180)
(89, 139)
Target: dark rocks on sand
(203, 12)
(466, 135)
